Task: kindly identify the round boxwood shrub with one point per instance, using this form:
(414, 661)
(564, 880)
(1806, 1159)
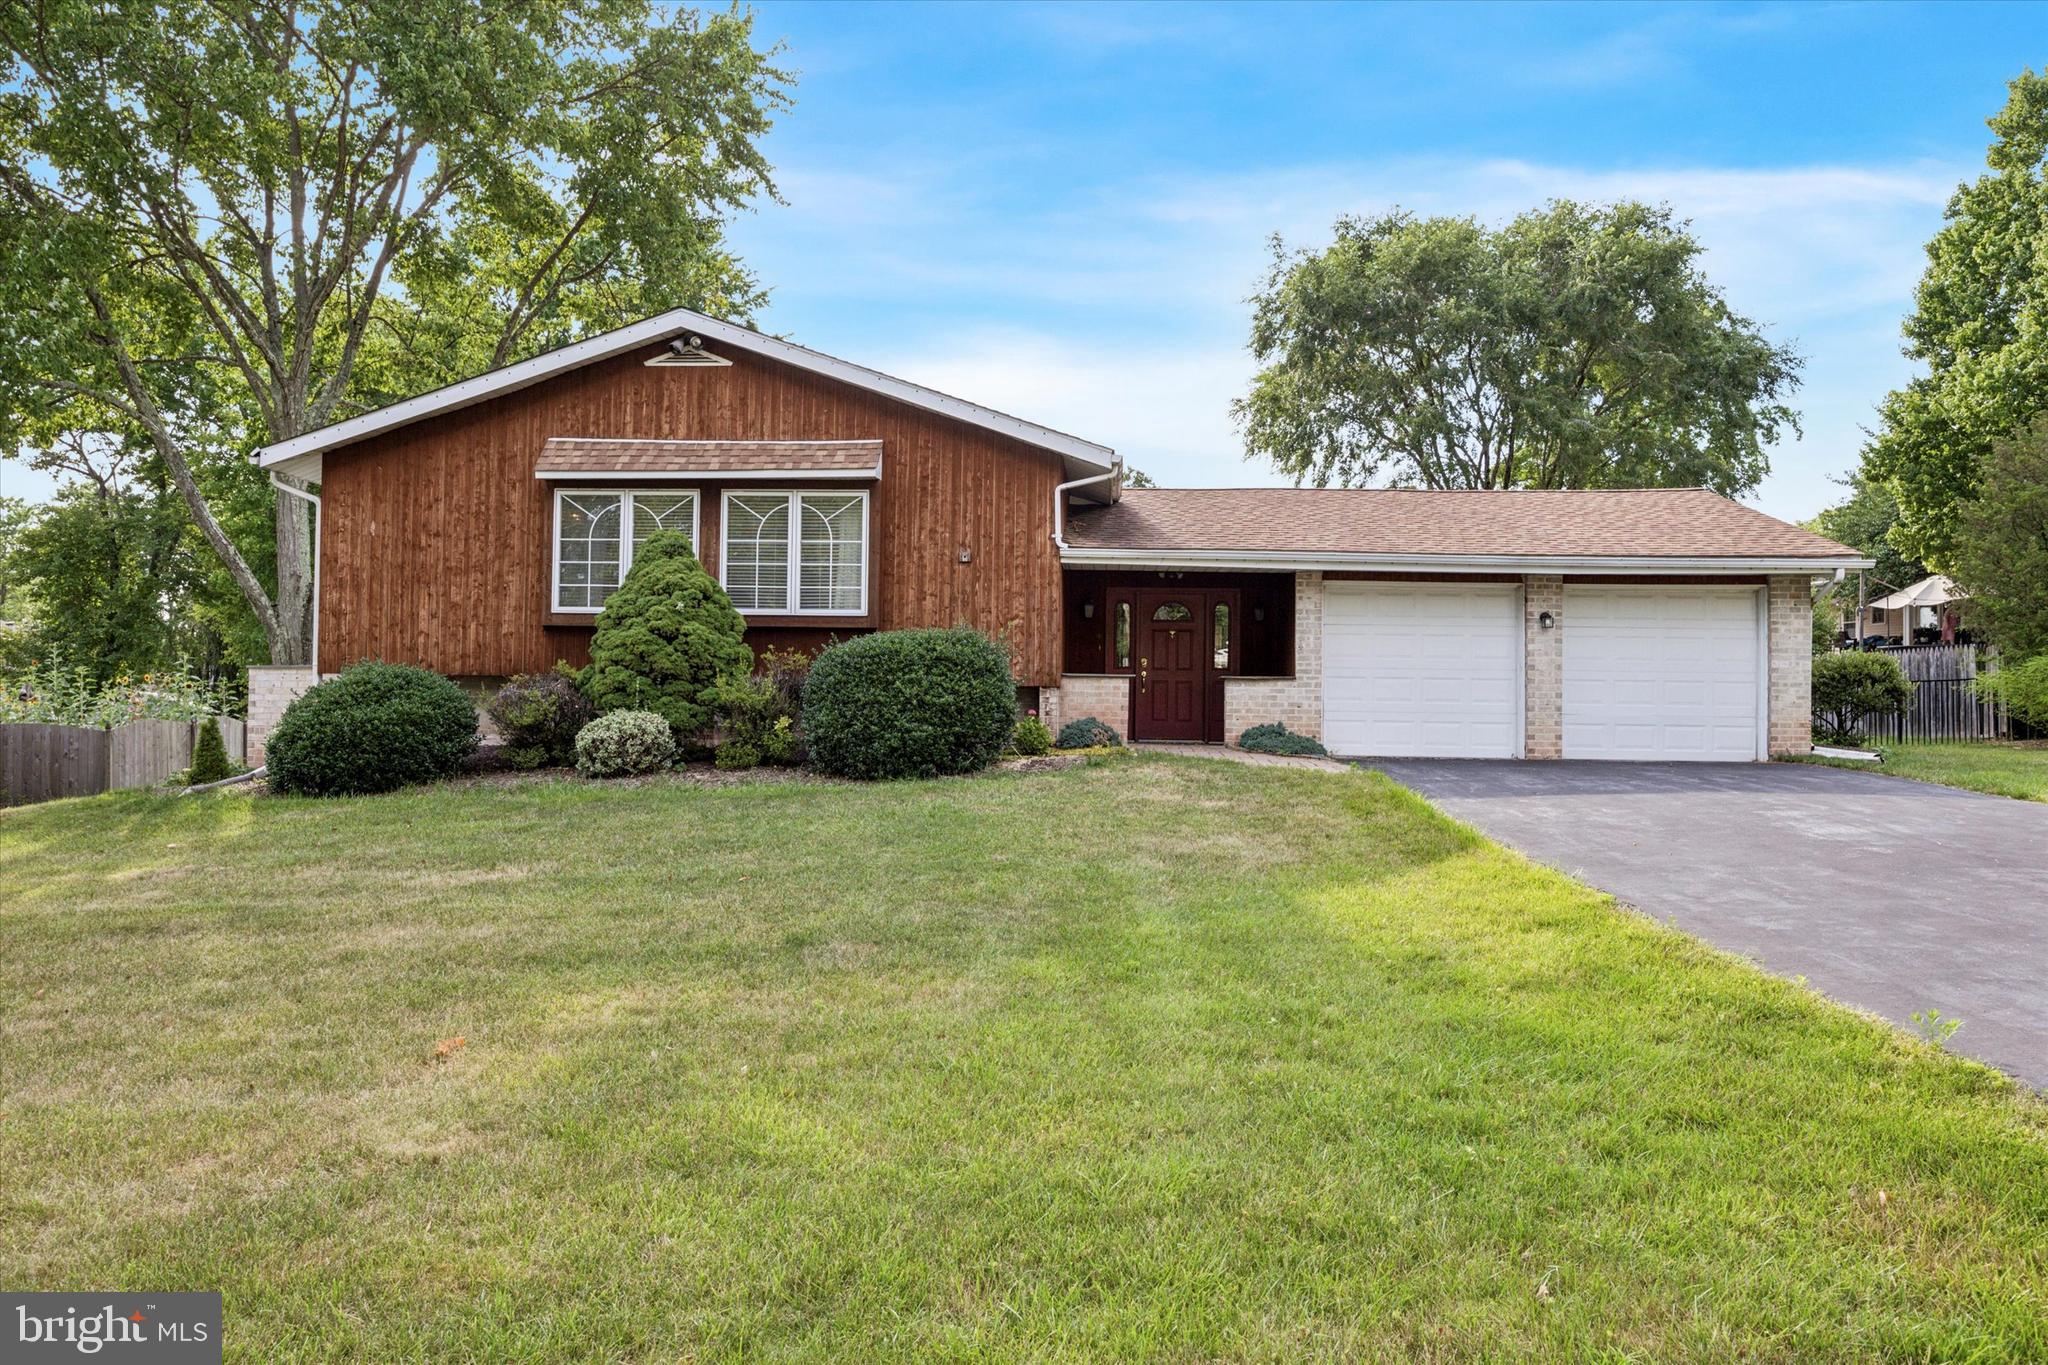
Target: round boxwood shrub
(625, 744)
(1087, 733)
(1278, 739)
(1848, 686)
(375, 728)
(538, 715)
(666, 639)
(909, 703)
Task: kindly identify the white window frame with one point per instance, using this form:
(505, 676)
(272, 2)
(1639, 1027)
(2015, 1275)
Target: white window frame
(625, 496)
(796, 545)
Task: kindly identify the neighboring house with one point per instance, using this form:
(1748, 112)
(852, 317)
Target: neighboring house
(477, 529)
(1933, 604)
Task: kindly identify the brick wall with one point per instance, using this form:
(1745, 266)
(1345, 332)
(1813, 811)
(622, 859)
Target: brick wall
(271, 689)
(1049, 708)
(1107, 697)
(1295, 702)
(1790, 610)
(1543, 679)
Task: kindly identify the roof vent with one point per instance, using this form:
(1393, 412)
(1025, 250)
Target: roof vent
(688, 351)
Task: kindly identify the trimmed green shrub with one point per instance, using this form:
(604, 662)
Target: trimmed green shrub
(538, 715)
(761, 712)
(666, 639)
(625, 744)
(1849, 685)
(909, 703)
(1087, 733)
(1030, 738)
(1278, 739)
(209, 756)
(2023, 687)
(733, 755)
(376, 728)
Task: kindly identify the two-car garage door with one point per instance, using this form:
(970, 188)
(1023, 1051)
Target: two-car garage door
(1436, 670)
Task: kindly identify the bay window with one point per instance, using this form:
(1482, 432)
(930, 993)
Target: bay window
(796, 554)
(596, 532)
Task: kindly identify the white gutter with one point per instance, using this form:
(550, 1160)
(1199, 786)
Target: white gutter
(318, 545)
(1059, 504)
(1412, 563)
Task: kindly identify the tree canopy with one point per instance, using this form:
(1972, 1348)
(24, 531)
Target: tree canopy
(1864, 521)
(1977, 326)
(223, 226)
(1577, 347)
(2001, 543)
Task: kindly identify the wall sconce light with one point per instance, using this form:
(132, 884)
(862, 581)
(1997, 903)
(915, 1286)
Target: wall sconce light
(1546, 620)
(1088, 611)
(1258, 613)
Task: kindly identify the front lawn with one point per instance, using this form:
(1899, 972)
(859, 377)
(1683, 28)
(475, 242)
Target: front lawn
(2003, 769)
(1152, 1057)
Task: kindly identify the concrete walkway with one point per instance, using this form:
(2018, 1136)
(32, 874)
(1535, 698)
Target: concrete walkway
(1328, 765)
(1894, 895)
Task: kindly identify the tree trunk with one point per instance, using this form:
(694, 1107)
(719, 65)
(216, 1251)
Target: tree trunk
(292, 641)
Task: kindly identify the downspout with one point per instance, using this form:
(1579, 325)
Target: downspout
(319, 544)
(1059, 500)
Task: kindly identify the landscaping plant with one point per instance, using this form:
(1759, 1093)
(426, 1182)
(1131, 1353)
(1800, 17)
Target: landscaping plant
(625, 744)
(1087, 733)
(909, 703)
(1848, 686)
(1030, 738)
(375, 728)
(1278, 739)
(2023, 687)
(666, 640)
(539, 716)
(209, 756)
(757, 715)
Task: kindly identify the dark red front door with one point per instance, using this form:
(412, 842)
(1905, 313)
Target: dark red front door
(1172, 680)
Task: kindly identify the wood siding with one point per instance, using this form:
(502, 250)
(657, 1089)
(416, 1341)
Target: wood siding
(439, 538)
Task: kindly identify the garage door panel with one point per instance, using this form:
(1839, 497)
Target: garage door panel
(1422, 670)
(1654, 674)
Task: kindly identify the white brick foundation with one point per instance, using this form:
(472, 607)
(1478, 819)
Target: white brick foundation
(1789, 607)
(1105, 696)
(272, 687)
(1543, 680)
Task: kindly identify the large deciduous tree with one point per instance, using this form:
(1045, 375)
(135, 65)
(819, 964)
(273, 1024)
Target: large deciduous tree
(1978, 326)
(227, 225)
(1864, 521)
(1577, 347)
(2001, 543)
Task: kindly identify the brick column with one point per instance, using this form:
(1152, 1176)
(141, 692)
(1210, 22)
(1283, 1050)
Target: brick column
(1789, 609)
(1049, 708)
(1543, 660)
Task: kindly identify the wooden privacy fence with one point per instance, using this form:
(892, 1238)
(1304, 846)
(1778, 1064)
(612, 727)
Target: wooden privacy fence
(1945, 704)
(44, 762)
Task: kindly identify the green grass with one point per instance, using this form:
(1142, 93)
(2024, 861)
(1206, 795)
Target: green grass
(2005, 769)
(1148, 1058)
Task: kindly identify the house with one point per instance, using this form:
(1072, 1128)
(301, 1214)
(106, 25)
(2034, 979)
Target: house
(477, 529)
(1934, 605)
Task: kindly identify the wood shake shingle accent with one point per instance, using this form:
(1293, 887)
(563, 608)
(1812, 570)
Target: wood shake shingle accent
(564, 455)
(1676, 523)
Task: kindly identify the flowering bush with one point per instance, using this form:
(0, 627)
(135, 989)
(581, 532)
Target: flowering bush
(53, 695)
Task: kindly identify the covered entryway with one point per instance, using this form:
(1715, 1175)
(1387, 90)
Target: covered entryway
(1422, 669)
(1663, 673)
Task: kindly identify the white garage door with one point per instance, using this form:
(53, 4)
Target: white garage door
(1661, 673)
(1422, 670)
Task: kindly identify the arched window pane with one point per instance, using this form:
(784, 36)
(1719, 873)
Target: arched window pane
(1173, 611)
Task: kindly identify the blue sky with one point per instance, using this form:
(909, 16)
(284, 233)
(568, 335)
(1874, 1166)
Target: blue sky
(1060, 209)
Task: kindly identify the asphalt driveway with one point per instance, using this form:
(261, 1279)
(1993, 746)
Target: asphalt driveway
(1893, 895)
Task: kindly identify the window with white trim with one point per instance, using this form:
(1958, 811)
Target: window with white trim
(592, 557)
(796, 554)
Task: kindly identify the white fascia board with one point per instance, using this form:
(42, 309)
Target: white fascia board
(677, 322)
(705, 475)
(1581, 564)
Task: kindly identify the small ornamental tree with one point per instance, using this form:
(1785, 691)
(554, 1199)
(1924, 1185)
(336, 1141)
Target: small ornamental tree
(1848, 685)
(666, 640)
(209, 756)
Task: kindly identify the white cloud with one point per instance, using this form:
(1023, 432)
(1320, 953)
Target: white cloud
(1118, 310)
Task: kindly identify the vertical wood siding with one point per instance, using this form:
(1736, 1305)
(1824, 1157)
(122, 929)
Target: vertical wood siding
(438, 536)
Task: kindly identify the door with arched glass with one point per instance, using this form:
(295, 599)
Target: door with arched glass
(1174, 644)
